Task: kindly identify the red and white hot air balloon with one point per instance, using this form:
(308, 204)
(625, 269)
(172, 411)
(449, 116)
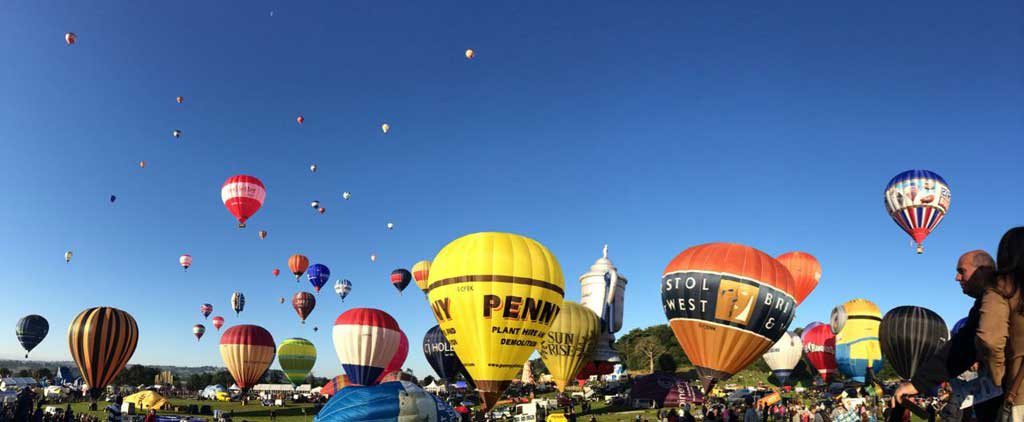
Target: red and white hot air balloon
(395, 365)
(243, 195)
(366, 340)
(70, 38)
(300, 119)
(185, 261)
(218, 321)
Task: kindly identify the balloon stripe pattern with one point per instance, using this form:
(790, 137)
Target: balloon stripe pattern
(198, 330)
(102, 340)
(397, 360)
(247, 351)
(342, 288)
(365, 340)
(243, 195)
(298, 264)
(218, 322)
(495, 296)
(31, 330)
(296, 357)
(909, 335)
(917, 200)
(726, 304)
(421, 273)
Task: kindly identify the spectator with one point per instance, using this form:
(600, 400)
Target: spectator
(1001, 326)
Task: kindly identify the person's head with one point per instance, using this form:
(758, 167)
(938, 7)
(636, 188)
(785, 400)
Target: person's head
(966, 267)
(1011, 256)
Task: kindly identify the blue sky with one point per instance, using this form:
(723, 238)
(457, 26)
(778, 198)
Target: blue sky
(651, 126)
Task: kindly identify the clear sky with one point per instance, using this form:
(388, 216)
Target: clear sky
(650, 126)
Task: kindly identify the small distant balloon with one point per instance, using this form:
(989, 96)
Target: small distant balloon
(113, 198)
(315, 329)
(176, 133)
(70, 38)
(300, 119)
(263, 234)
(315, 204)
(373, 257)
(281, 300)
(346, 195)
(470, 53)
(312, 168)
(385, 127)
(391, 226)
(142, 163)
(205, 310)
(180, 99)
(185, 261)
(322, 210)
(67, 256)
(198, 330)
(276, 272)
(218, 321)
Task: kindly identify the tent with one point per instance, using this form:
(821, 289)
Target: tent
(665, 389)
(146, 400)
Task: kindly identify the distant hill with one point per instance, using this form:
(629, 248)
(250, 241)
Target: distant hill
(180, 372)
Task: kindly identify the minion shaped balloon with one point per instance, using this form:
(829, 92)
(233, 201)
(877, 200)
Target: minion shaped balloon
(858, 351)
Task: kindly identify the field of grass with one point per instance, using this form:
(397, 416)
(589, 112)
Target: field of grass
(252, 412)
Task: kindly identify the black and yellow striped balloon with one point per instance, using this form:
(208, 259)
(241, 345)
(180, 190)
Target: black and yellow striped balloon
(102, 340)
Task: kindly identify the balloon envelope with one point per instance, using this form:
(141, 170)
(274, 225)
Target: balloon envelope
(820, 348)
(206, 309)
(400, 401)
(400, 278)
(296, 357)
(783, 356)
(101, 341)
(441, 356)
(318, 275)
(806, 272)
(303, 302)
(495, 295)
(342, 288)
(570, 342)
(420, 272)
(237, 302)
(727, 304)
(31, 330)
(917, 200)
(366, 340)
(198, 330)
(298, 264)
(218, 322)
(243, 195)
(247, 351)
(397, 360)
(858, 351)
(909, 335)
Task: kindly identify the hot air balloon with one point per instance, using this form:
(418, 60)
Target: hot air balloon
(312, 168)
(67, 257)
(390, 401)
(397, 359)
(342, 288)
(783, 356)
(820, 348)
(262, 234)
(385, 127)
(959, 324)
(206, 309)
(321, 210)
(469, 53)
(237, 302)
(185, 261)
(315, 204)
(390, 226)
(909, 335)
(70, 38)
(303, 302)
(727, 304)
(806, 272)
(142, 164)
(247, 351)
(31, 330)
(276, 272)
(570, 342)
(366, 340)
(420, 273)
(243, 195)
(495, 295)
(180, 99)
(315, 328)
(373, 257)
(176, 133)
(300, 119)
(296, 357)
(346, 195)
(335, 385)
(218, 321)
(858, 352)
(102, 340)
(441, 356)
(113, 198)
(281, 300)
(318, 275)
(298, 264)
(917, 200)
(198, 330)
(400, 278)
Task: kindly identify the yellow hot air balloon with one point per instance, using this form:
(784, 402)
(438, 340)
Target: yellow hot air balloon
(420, 273)
(495, 295)
(385, 127)
(470, 53)
(570, 342)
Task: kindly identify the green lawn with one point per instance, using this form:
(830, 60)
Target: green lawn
(252, 412)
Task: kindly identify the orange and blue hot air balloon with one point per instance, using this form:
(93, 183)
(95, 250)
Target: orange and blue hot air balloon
(318, 275)
(917, 200)
(366, 340)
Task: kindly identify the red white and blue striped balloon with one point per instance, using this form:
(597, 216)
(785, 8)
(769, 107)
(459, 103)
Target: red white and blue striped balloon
(366, 340)
(917, 200)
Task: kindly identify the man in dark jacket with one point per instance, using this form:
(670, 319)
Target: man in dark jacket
(974, 271)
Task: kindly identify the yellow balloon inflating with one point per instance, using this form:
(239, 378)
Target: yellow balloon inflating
(570, 342)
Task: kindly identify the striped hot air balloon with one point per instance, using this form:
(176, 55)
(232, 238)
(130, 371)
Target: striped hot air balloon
(335, 385)
(727, 304)
(397, 360)
(31, 330)
(296, 357)
(198, 330)
(247, 351)
(298, 264)
(237, 302)
(917, 200)
(243, 195)
(909, 335)
(101, 341)
(218, 322)
(342, 288)
(366, 340)
(421, 272)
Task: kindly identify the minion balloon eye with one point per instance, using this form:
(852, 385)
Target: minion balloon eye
(838, 319)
